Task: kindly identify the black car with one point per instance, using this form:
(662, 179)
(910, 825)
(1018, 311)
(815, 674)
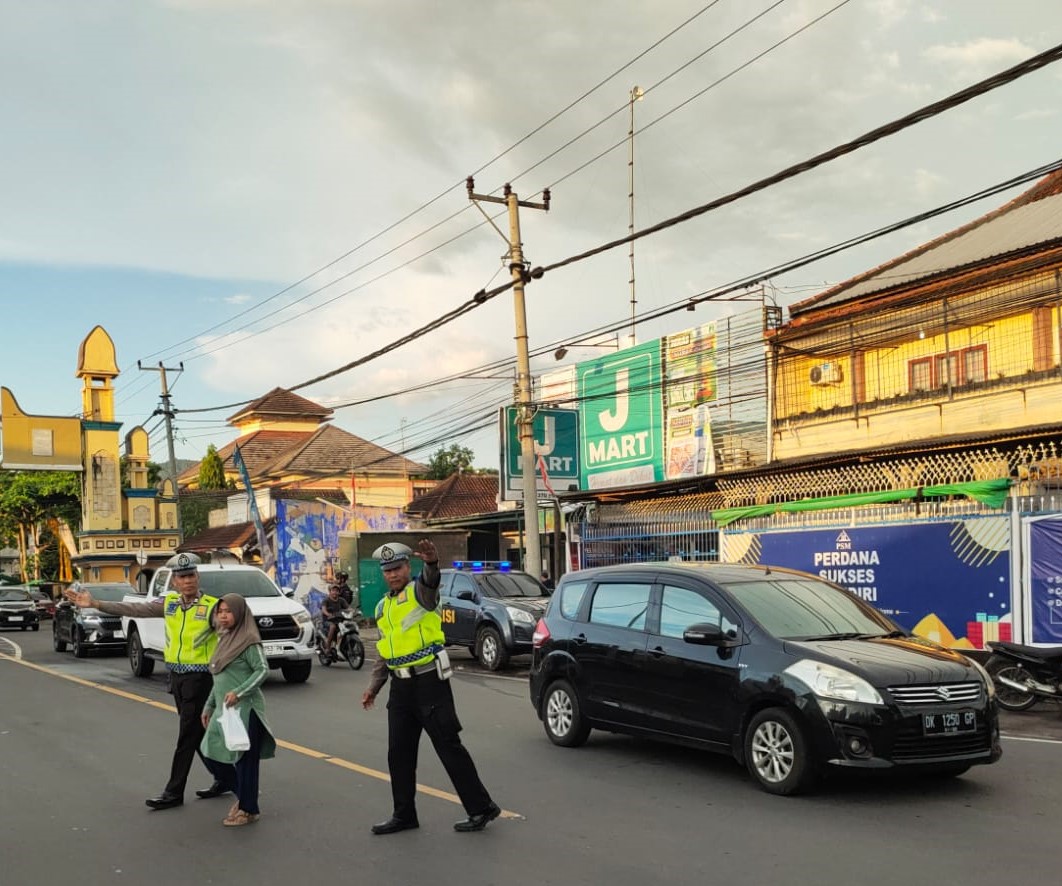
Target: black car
(17, 609)
(43, 602)
(790, 674)
(490, 608)
(87, 629)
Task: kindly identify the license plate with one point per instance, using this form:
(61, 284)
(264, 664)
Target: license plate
(273, 648)
(14, 618)
(949, 723)
(119, 634)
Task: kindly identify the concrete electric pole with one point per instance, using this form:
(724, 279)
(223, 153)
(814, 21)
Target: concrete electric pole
(525, 415)
(167, 413)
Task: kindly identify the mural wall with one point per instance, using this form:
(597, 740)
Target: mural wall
(308, 555)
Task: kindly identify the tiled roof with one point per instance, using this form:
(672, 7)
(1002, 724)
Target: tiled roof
(259, 449)
(282, 403)
(238, 535)
(330, 450)
(1031, 220)
(459, 495)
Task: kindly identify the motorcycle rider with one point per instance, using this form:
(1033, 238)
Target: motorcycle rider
(331, 613)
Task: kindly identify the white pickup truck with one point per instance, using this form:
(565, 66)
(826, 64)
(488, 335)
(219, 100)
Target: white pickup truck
(285, 625)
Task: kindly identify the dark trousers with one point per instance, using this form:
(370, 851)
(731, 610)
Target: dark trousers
(241, 777)
(190, 692)
(426, 703)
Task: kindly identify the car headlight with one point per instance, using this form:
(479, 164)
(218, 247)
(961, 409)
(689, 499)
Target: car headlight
(303, 618)
(990, 686)
(827, 681)
(520, 615)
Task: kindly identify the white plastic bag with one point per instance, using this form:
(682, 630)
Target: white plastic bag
(236, 737)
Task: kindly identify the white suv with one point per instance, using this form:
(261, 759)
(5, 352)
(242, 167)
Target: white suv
(285, 625)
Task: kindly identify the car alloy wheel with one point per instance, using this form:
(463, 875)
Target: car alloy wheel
(776, 752)
(562, 716)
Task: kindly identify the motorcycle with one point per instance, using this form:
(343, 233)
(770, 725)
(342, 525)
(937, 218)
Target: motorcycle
(347, 646)
(1024, 675)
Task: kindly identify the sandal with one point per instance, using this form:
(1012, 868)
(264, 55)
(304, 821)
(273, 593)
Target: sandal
(240, 818)
(233, 809)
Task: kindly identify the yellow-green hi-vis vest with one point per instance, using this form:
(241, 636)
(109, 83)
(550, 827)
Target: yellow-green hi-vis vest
(184, 627)
(407, 628)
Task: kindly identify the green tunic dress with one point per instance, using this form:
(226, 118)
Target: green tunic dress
(244, 675)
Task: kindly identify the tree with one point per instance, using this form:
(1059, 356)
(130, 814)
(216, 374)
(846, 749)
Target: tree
(212, 470)
(449, 461)
(28, 500)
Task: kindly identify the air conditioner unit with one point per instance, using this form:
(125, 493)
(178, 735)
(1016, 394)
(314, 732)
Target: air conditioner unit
(826, 374)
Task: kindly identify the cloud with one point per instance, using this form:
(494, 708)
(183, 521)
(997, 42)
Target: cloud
(980, 56)
(1037, 114)
(238, 299)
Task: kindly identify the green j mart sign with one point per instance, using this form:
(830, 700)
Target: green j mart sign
(621, 417)
(556, 433)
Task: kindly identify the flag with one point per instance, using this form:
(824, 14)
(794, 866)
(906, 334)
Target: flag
(263, 544)
(545, 476)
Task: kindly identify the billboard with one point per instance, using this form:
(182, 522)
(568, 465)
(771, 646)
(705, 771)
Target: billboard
(621, 417)
(556, 433)
(948, 581)
(643, 410)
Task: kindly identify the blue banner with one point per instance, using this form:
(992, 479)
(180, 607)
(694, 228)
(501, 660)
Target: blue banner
(263, 543)
(949, 582)
(1045, 559)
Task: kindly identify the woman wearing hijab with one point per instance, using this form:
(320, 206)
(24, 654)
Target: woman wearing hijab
(239, 667)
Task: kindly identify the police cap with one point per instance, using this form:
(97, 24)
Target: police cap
(392, 555)
(183, 563)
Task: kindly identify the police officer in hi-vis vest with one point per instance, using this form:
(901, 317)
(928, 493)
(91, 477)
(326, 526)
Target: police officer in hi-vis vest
(412, 655)
(190, 641)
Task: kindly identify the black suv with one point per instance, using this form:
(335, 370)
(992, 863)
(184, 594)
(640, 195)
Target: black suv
(788, 673)
(86, 629)
(17, 609)
(491, 609)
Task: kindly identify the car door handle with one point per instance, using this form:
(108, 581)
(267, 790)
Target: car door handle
(579, 639)
(657, 652)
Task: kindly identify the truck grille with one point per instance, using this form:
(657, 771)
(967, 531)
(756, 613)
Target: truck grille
(941, 693)
(277, 627)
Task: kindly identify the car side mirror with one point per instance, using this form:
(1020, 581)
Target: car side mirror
(470, 596)
(289, 592)
(708, 634)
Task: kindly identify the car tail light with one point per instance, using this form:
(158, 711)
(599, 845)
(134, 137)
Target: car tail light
(541, 634)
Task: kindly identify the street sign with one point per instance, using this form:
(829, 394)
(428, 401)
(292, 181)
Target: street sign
(556, 433)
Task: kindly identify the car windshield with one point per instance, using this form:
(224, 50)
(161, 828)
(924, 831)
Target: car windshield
(108, 591)
(796, 609)
(511, 584)
(13, 595)
(246, 583)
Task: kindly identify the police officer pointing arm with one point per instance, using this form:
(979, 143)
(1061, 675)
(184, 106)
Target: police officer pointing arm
(190, 642)
(421, 699)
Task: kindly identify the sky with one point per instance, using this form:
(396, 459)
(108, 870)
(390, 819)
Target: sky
(264, 191)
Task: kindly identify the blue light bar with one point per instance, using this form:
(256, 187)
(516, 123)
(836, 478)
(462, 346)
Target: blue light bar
(459, 564)
(504, 566)
(477, 566)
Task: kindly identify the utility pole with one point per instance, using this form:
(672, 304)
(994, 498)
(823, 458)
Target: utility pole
(636, 96)
(525, 414)
(167, 413)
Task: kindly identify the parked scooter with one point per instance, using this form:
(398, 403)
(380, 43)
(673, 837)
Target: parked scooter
(347, 646)
(1024, 675)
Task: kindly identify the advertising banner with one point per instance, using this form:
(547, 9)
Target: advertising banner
(690, 367)
(945, 581)
(1045, 588)
(621, 417)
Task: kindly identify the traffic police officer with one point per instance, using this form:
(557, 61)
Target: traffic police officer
(190, 642)
(412, 655)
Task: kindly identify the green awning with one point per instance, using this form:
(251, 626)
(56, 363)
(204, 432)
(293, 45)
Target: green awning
(990, 492)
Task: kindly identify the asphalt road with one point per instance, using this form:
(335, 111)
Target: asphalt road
(82, 743)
